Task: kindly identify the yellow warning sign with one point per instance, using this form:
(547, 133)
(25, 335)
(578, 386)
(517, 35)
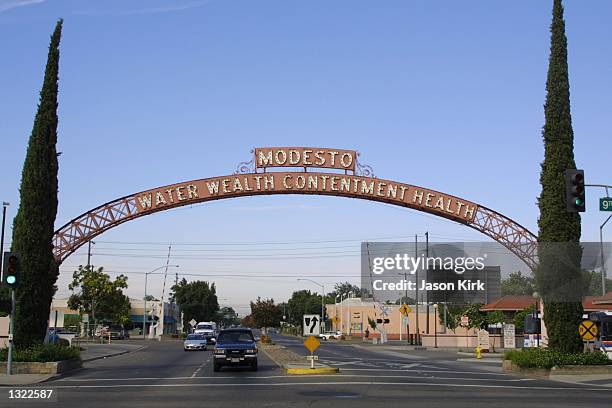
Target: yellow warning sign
(311, 343)
(335, 320)
(587, 330)
(405, 309)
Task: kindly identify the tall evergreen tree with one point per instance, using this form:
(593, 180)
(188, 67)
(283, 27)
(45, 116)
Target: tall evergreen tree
(33, 226)
(558, 275)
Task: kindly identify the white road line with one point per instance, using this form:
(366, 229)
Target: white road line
(200, 367)
(310, 384)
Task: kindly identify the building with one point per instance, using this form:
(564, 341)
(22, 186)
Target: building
(162, 317)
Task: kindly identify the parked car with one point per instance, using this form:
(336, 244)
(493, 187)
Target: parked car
(195, 342)
(330, 335)
(235, 347)
(118, 332)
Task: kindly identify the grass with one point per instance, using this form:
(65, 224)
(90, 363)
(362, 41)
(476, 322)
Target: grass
(546, 358)
(42, 353)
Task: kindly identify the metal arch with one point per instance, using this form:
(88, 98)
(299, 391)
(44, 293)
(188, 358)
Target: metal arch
(67, 239)
(82, 229)
(518, 239)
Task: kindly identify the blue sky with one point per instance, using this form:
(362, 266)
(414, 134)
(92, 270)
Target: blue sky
(443, 94)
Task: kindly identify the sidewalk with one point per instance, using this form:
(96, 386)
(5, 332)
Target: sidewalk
(91, 352)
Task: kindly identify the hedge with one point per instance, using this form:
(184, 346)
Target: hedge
(42, 353)
(546, 358)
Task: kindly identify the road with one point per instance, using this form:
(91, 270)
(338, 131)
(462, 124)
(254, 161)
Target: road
(163, 375)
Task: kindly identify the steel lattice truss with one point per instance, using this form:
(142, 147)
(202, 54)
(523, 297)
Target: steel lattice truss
(82, 229)
(518, 239)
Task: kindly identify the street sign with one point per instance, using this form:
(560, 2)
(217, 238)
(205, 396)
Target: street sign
(192, 322)
(605, 204)
(405, 309)
(316, 358)
(483, 339)
(587, 330)
(85, 318)
(312, 325)
(311, 343)
(509, 336)
(465, 321)
(335, 320)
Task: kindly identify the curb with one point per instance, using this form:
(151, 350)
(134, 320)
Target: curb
(120, 353)
(308, 370)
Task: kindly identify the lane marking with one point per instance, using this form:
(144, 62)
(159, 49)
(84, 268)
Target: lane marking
(200, 367)
(310, 384)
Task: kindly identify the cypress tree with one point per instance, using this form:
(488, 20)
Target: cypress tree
(33, 226)
(558, 274)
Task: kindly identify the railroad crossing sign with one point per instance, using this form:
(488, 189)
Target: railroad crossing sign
(311, 343)
(405, 309)
(335, 320)
(311, 325)
(587, 330)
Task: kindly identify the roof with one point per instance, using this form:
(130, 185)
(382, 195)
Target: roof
(509, 303)
(515, 303)
(603, 300)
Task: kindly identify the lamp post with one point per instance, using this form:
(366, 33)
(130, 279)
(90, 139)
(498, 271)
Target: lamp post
(144, 313)
(536, 296)
(322, 298)
(435, 306)
(336, 308)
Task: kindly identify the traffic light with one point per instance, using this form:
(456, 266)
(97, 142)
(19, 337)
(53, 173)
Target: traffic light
(574, 191)
(12, 270)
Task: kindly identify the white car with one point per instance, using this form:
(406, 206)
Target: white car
(194, 342)
(330, 335)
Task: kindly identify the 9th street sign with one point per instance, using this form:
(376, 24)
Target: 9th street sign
(605, 204)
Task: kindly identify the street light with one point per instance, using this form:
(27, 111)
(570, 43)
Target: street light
(536, 296)
(322, 298)
(435, 306)
(144, 313)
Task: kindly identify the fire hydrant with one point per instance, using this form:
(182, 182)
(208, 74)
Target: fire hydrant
(478, 355)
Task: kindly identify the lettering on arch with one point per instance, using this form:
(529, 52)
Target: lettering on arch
(346, 185)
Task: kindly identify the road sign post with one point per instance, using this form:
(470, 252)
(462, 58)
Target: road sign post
(587, 330)
(311, 343)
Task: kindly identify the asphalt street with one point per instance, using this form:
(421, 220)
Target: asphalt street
(163, 375)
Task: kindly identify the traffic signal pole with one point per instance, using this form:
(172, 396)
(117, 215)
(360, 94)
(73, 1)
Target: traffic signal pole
(9, 359)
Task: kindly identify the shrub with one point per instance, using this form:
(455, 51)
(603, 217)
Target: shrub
(546, 358)
(42, 353)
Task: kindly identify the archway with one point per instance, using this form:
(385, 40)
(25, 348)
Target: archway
(254, 178)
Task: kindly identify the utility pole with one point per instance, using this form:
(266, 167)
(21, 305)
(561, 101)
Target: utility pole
(89, 244)
(416, 255)
(603, 262)
(427, 276)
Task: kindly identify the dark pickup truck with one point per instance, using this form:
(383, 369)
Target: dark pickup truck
(235, 347)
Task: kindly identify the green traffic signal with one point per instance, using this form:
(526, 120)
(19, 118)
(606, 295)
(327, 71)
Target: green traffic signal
(11, 270)
(578, 202)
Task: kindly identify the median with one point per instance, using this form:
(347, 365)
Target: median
(292, 362)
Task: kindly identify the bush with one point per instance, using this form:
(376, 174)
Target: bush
(546, 358)
(42, 353)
